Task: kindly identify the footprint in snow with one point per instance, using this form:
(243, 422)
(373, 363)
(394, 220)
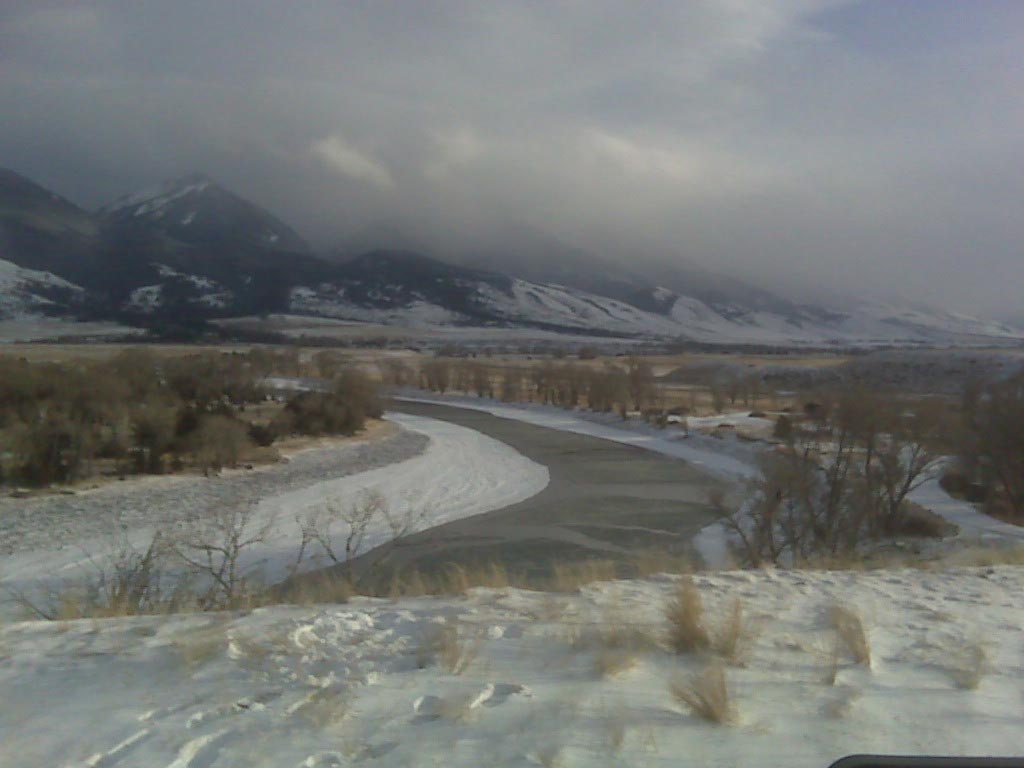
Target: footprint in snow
(323, 760)
(429, 707)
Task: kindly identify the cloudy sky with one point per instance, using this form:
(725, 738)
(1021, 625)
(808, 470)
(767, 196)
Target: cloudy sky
(852, 146)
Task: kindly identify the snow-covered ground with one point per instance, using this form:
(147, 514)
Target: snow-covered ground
(358, 684)
(460, 473)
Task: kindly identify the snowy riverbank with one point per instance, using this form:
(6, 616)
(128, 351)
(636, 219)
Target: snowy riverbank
(442, 472)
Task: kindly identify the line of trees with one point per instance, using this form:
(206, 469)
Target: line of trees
(843, 477)
(991, 456)
(139, 413)
(568, 385)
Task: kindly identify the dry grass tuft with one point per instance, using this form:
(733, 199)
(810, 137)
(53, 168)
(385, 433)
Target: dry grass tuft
(615, 729)
(685, 616)
(550, 755)
(832, 663)
(569, 577)
(850, 631)
(449, 648)
(705, 694)
(196, 649)
(610, 662)
(968, 666)
(325, 707)
(732, 636)
(325, 589)
(839, 706)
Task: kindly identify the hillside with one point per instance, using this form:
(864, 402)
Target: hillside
(189, 251)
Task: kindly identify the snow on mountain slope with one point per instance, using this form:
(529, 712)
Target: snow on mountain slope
(193, 289)
(29, 291)
(537, 303)
(403, 289)
(196, 210)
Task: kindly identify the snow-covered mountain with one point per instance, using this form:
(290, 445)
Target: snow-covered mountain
(196, 210)
(29, 292)
(450, 296)
(188, 251)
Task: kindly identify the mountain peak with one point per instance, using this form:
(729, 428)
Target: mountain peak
(196, 210)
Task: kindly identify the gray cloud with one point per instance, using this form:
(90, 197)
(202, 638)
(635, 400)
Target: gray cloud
(850, 146)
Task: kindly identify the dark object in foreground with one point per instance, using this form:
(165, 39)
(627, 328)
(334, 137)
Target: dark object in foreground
(888, 761)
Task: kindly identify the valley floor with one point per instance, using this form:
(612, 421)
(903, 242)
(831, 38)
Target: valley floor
(362, 684)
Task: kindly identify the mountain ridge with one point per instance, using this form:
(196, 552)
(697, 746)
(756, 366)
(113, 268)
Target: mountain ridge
(189, 250)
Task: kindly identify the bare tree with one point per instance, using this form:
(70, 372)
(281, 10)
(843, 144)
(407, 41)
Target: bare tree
(356, 518)
(998, 426)
(642, 389)
(341, 530)
(213, 546)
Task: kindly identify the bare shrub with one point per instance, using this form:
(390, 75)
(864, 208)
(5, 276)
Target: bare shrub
(705, 694)
(214, 546)
(685, 616)
(128, 581)
(352, 524)
(850, 631)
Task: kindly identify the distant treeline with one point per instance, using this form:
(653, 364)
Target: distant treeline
(145, 413)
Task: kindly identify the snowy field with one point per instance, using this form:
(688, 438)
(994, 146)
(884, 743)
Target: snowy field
(362, 684)
(458, 473)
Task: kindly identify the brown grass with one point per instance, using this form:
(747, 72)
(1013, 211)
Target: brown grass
(685, 616)
(324, 707)
(850, 632)
(705, 694)
(968, 666)
(611, 662)
(569, 577)
(730, 638)
(198, 648)
(451, 649)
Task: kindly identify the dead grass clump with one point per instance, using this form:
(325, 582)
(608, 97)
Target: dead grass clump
(685, 615)
(569, 577)
(850, 631)
(610, 662)
(324, 707)
(968, 666)
(705, 694)
(832, 663)
(326, 588)
(197, 649)
(458, 580)
(730, 638)
(449, 648)
(615, 729)
(990, 556)
(654, 561)
(839, 705)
